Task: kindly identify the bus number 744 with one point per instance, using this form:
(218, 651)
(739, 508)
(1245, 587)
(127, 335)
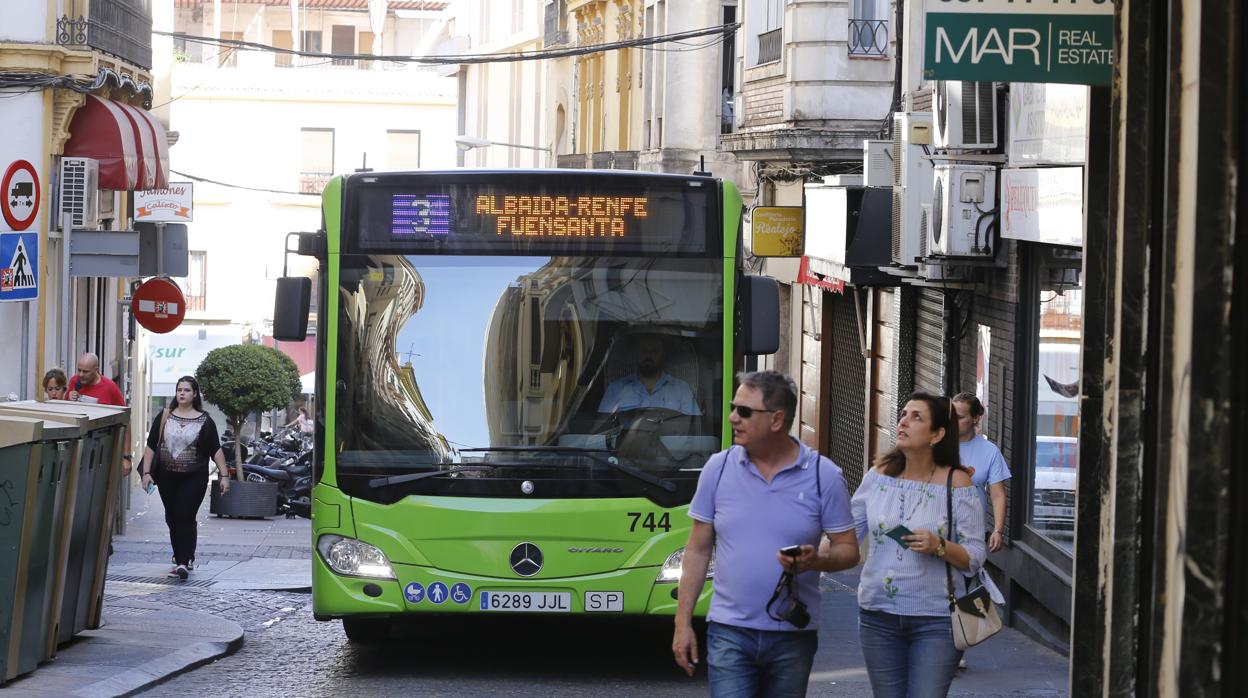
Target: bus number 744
(664, 522)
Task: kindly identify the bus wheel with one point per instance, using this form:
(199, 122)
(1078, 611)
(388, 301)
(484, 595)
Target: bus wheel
(366, 630)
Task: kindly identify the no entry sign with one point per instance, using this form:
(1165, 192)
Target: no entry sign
(158, 305)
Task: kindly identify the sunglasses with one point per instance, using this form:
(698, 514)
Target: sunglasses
(745, 411)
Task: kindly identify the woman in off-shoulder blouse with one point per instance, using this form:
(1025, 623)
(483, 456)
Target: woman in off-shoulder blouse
(903, 597)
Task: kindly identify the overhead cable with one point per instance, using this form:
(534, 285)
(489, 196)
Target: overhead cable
(723, 30)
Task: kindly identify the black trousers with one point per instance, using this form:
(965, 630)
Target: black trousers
(182, 493)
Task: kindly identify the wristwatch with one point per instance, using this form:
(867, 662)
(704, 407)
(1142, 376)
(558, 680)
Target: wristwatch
(940, 548)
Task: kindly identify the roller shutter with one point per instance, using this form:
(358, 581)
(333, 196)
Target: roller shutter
(929, 359)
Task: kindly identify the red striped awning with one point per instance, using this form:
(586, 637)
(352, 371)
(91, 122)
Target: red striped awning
(128, 142)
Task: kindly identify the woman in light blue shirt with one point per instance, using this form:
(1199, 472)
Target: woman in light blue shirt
(903, 598)
(982, 457)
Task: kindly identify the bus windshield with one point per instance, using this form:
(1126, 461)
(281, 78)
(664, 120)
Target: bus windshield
(519, 363)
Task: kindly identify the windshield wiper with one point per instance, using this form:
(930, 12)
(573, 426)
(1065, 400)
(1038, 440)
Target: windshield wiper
(379, 482)
(610, 461)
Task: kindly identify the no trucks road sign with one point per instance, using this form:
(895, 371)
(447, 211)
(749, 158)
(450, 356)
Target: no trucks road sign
(20, 201)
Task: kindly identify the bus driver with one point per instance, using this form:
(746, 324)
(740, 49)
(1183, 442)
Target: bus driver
(649, 385)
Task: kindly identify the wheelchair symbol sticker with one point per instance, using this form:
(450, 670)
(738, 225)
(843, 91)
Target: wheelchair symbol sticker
(461, 593)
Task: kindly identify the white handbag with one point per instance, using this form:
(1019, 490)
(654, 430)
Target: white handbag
(973, 615)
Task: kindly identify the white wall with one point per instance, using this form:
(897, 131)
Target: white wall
(24, 21)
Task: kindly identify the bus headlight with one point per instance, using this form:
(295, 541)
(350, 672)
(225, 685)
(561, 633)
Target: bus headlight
(670, 571)
(354, 557)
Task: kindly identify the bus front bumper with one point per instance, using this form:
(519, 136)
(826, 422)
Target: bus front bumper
(425, 590)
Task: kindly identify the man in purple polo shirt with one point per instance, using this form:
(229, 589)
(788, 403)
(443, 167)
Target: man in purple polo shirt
(767, 492)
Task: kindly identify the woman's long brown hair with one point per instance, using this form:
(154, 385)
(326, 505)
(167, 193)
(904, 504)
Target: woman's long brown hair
(945, 452)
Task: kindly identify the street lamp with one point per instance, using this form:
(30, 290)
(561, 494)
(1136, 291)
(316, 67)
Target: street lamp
(466, 143)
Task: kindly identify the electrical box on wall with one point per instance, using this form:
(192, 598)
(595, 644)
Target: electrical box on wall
(877, 163)
(963, 201)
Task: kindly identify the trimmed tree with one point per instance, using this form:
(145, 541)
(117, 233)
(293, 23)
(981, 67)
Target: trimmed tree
(245, 378)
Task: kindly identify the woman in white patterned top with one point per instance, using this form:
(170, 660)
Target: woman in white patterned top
(179, 445)
(904, 624)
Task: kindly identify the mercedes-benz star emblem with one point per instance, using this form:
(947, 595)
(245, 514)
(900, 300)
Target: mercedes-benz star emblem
(526, 559)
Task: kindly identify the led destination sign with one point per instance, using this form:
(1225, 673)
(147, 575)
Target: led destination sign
(562, 216)
(539, 213)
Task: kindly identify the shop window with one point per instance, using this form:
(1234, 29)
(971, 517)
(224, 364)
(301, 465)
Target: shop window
(1051, 512)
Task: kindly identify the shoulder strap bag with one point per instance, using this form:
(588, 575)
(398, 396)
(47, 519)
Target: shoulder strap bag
(160, 442)
(973, 614)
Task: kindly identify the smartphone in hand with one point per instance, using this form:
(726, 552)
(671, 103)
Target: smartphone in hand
(151, 487)
(896, 532)
(791, 551)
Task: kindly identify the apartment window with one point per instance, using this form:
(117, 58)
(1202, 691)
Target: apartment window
(342, 41)
(196, 283)
(767, 19)
(282, 38)
(868, 28)
(402, 150)
(366, 48)
(311, 42)
(317, 159)
(228, 55)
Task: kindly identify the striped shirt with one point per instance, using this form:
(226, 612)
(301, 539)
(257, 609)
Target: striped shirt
(899, 581)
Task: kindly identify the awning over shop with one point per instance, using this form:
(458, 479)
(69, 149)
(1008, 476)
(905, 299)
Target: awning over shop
(129, 143)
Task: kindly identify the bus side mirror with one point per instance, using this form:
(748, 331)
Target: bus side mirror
(290, 308)
(760, 315)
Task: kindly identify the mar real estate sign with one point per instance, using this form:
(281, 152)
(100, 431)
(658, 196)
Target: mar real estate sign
(1054, 41)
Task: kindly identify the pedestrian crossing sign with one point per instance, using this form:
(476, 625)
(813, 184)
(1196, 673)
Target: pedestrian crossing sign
(19, 266)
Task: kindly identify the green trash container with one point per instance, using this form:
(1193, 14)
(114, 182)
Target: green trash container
(20, 452)
(33, 574)
(91, 476)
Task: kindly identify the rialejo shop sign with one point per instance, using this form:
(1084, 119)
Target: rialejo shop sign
(1067, 41)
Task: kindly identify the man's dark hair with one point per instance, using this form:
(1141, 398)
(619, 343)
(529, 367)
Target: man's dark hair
(779, 392)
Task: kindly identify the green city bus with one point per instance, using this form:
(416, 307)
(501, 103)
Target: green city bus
(481, 443)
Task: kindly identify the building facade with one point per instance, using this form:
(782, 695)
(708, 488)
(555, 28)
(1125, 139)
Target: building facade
(76, 81)
(261, 132)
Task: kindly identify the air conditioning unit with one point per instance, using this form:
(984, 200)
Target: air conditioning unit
(963, 198)
(77, 187)
(877, 163)
(966, 115)
(912, 182)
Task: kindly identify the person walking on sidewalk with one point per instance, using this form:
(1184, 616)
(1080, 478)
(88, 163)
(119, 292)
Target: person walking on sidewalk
(179, 445)
(901, 508)
(986, 464)
(767, 493)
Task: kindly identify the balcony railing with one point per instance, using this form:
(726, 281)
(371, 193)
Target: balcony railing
(770, 44)
(122, 28)
(313, 182)
(868, 37)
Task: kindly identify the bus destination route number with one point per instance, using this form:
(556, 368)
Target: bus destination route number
(562, 216)
(650, 523)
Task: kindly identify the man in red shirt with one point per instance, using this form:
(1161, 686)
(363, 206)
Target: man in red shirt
(90, 386)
